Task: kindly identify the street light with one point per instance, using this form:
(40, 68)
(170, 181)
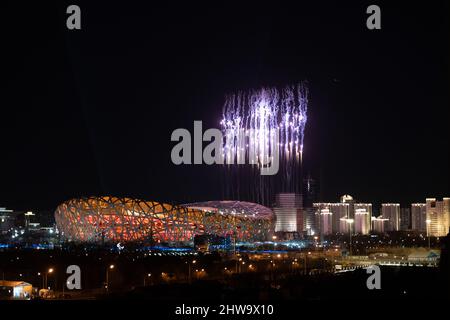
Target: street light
(350, 222)
(240, 266)
(305, 266)
(111, 267)
(189, 270)
(42, 278)
(46, 276)
(148, 276)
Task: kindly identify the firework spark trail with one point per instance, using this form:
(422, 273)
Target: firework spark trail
(250, 120)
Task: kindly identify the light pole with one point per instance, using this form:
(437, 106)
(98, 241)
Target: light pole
(238, 267)
(350, 222)
(428, 221)
(316, 238)
(148, 276)
(40, 275)
(64, 288)
(50, 271)
(197, 273)
(306, 262)
(189, 270)
(111, 267)
(272, 269)
(294, 265)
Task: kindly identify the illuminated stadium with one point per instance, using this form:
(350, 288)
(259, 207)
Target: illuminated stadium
(110, 219)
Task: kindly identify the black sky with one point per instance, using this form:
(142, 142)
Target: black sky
(91, 112)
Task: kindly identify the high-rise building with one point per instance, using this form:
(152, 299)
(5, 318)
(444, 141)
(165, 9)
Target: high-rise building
(309, 221)
(391, 211)
(7, 220)
(405, 218)
(325, 221)
(419, 217)
(362, 224)
(310, 196)
(368, 208)
(288, 212)
(340, 212)
(378, 224)
(438, 216)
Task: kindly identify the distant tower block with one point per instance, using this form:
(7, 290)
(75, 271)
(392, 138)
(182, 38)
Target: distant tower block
(419, 217)
(378, 224)
(310, 196)
(362, 226)
(325, 222)
(340, 211)
(288, 212)
(368, 208)
(405, 219)
(438, 217)
(391, 211)
(347, 199)
(309, 221)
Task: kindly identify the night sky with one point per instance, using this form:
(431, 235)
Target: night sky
(91, 112)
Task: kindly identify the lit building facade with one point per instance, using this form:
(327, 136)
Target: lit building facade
(325, 221)
(309, 221)
(361, 207)
(362, 222)
(340, 211)
(310, 196)
(288, 212)
(391, 212)
(438, 216)
(15, 290)
(419, 217)
(7, 220)
(378, 224)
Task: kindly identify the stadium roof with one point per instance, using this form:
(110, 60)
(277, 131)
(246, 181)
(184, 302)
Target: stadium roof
(240, 208)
